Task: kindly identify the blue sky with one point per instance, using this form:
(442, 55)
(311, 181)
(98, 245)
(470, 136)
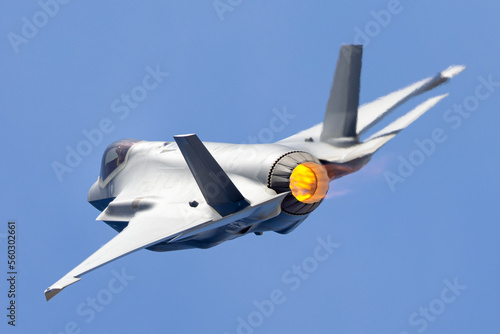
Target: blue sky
(420, 257)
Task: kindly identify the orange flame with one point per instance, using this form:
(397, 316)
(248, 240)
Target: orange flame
(309, 182)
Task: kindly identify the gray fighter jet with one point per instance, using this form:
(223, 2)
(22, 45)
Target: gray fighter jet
(166, 196)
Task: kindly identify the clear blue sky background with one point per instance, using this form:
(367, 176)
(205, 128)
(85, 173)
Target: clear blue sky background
(397, 248)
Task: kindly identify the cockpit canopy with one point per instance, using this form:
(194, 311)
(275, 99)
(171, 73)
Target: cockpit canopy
(114, 157)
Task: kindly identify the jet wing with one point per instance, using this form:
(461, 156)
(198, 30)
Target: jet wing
(380, 138)
(373, 143)
(155, 219)
(154, 222)
(371, 113)
(146, 228)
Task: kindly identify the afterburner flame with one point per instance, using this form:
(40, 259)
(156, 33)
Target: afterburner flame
(309, 182)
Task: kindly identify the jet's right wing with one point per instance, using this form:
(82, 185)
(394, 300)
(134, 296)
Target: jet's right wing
(342, 155)
(380, 138)
(371, 113)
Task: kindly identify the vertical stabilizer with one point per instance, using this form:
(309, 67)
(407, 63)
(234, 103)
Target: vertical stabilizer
(339, 126)
(216, 186)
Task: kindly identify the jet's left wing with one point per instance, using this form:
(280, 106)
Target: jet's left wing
(154, 222)
(153, 219)
(151, 225)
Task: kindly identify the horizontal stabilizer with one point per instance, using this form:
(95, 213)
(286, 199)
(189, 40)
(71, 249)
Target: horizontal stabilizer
(371, 113)
(379, 139)
(216, 186)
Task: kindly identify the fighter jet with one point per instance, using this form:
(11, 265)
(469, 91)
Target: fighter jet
(181, 194)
